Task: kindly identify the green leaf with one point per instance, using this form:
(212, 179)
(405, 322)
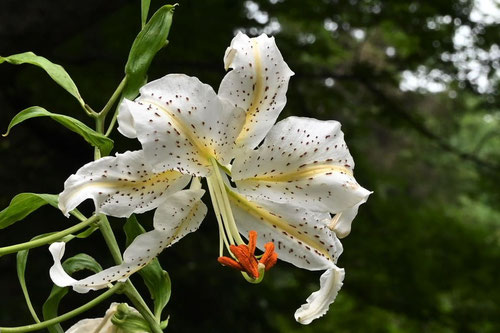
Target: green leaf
(71, 265)
(156, 279)
(24, 204)
(56, 72)
(21, 260)
(95, 139)
(148, 42)
(144, 11)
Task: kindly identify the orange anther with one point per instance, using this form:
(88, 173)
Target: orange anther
(245, 255)
(269, 258)
(252, 241)
(230, 262)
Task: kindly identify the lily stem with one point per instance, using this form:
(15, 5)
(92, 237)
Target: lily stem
(142, 307)
(109, 238)
(66, 316)
(129, 289)
(48, 239)
(113, 98)
(115, 114)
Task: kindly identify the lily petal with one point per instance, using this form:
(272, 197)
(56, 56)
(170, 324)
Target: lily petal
(180, 214)
(181, 124)
(126, 124)
(257, 84)
(341, 223)
(301, 237)
(319, 301)
(120, 185)
(304, 161)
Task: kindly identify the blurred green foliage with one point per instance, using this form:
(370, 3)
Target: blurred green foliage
(424, 252)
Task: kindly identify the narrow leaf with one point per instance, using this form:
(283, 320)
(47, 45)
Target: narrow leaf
(144, 11)
(95, 139)
(56, 72)
(156, 279)
(24, 204)
(22, 259)
(71, 265)
(148, 42)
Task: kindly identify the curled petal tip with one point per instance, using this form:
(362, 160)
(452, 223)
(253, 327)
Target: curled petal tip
(318, 302)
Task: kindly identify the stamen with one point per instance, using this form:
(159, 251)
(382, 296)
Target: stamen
(222, 236)
(270, 257)
(230, 262)
(252, 241)
(246, 259)
(224, 204)
(251, 268)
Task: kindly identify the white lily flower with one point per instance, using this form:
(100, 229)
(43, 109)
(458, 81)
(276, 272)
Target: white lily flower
(287, 187)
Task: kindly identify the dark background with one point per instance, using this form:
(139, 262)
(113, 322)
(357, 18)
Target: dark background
(424, 252)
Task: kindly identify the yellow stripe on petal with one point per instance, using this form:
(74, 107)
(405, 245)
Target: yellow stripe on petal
(257, 93)
(306, 172)
(304, 161)
(199, 143)
(257, 84)
(181, 124)
(120, 185)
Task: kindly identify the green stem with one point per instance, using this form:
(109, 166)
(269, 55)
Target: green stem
(99, 126)
(141, 306)
(76, 213)
(129, 290)
(110, 239)
(112, 123)
(49, 239)
(113, 99)
(90, 111)
(66, 316)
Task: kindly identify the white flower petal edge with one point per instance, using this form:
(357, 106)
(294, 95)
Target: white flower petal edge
(302, 238)
(304, 161)
(182, 124)
(341, 223)
(319, 301)
(120, 185)
(257, 83)
(180, 214)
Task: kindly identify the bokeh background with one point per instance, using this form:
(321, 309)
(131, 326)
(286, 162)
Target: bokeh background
(415, 85)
